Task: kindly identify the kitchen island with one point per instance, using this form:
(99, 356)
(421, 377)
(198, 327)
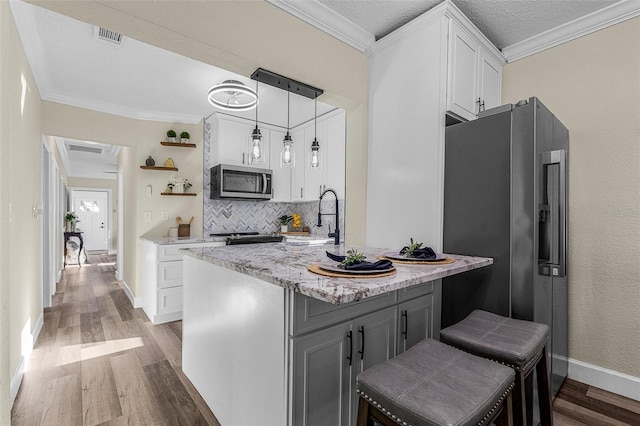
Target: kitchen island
(267, 342)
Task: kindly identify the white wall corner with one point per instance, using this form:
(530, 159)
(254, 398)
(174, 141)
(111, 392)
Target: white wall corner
(135, 301)
(595, 21)
(603, 378)
(320, 16)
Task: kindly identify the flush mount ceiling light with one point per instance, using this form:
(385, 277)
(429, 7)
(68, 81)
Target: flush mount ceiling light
(232, 95)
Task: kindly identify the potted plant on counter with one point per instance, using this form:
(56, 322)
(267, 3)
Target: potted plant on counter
(284, 220)
(171, 135)
(184, 137)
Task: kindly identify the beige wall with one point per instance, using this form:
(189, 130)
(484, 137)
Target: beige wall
(143, 139)
(241, 36)
(20, 152)
(112, 184)
(592, 84)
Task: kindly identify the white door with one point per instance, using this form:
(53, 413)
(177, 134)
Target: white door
(91, 208)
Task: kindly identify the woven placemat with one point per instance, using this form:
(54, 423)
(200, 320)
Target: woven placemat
(446, 261)
(315, 268)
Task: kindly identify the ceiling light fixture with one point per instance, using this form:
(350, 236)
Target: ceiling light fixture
(256, 150)
(287, 157)
(315, 145)
(232, 95)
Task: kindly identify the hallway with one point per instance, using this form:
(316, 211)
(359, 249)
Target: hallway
(98, 361)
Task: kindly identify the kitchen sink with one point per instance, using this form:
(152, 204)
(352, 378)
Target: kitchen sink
(307, 240)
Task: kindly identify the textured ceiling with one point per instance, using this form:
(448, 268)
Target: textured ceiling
(504, 22)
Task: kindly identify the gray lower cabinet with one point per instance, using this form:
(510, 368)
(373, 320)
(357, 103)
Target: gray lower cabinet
(322, 376)
(326, 362)
(415, 321)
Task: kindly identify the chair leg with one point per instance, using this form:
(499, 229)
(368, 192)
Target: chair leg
(363, 413)
(544, 390)
(506, 416)
(519, 400)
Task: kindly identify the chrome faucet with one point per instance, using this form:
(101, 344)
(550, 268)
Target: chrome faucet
(336, 233)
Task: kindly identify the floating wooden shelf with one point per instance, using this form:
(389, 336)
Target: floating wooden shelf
(178, 144)
(174, 193)
(173, 169)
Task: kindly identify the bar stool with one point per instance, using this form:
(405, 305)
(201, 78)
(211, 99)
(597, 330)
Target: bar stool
(435, 384)
(519, 344)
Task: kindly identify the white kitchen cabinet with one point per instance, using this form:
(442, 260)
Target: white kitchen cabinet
(435, 64)
(162, 279)
(474, 73)
(231, 142)
(308, 183)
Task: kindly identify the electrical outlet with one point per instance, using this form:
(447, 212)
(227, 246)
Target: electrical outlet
(147, 216)
(164, 215)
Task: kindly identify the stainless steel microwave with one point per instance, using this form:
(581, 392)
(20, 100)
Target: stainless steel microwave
(248, 183)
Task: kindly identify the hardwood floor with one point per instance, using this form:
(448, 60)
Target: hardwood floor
(98, 361)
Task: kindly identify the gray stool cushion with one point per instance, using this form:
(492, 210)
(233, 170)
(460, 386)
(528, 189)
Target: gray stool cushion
(436, 384)
(511, 341)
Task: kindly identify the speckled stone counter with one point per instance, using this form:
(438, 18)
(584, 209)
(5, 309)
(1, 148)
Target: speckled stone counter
(183, 240)
(286, 266)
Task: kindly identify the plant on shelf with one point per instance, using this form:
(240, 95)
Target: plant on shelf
(178, 185)
(284, 220)
(171, 135)
(184, 137)
(70, 220)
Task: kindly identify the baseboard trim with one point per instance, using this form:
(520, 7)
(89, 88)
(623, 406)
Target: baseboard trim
(16, 380)
(135, 301)
(18, 374)
(603, 378)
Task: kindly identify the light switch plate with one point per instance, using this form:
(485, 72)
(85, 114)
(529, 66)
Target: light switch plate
(147, 216)
(164, 215)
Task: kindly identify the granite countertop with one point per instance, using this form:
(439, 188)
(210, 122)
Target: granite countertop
(285, 265)
(184, 240)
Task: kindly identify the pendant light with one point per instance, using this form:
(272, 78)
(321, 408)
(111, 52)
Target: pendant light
(287, 157)
(256, 137)
(315, 145)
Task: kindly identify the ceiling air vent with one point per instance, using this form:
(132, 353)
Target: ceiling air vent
(83, 148)
(105, 34)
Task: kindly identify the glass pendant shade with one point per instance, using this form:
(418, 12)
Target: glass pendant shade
(256, 150)
(315, 159)
(287, 156)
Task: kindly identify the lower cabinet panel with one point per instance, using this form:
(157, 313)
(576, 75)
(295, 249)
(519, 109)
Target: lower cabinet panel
(321, 377)
(169, 300)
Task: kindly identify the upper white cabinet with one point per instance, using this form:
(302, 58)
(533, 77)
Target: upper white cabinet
(474, 73)
(231, 142)
(435, 64)
(307, 182)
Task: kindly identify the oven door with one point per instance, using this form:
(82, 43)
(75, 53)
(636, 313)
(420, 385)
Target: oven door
(241, 182)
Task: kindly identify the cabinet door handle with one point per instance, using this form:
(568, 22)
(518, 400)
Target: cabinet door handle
(361, 351)
(243, 158)
(350, 337)
(301, 189)
(405, 326)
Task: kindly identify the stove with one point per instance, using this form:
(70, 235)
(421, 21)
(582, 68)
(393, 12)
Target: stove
(235, 238)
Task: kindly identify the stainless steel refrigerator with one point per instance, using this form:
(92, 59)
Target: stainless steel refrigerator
(506, 197)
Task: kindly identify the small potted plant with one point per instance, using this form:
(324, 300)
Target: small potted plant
(171, 135)
(70, 220)
(179, 185)
(284, 220)
(184, 137)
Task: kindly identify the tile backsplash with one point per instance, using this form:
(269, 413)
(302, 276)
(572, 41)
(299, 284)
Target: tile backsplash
(261, 216)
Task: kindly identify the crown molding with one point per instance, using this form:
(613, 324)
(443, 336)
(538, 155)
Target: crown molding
(107, 108)
(315, 13)
(595, 21)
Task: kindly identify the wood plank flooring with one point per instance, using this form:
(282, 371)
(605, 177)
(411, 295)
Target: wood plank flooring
(98, 361)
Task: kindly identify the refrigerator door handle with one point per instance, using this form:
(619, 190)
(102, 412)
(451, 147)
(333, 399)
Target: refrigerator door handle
(552, 214)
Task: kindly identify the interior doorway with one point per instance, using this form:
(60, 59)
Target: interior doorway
(93, 208)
